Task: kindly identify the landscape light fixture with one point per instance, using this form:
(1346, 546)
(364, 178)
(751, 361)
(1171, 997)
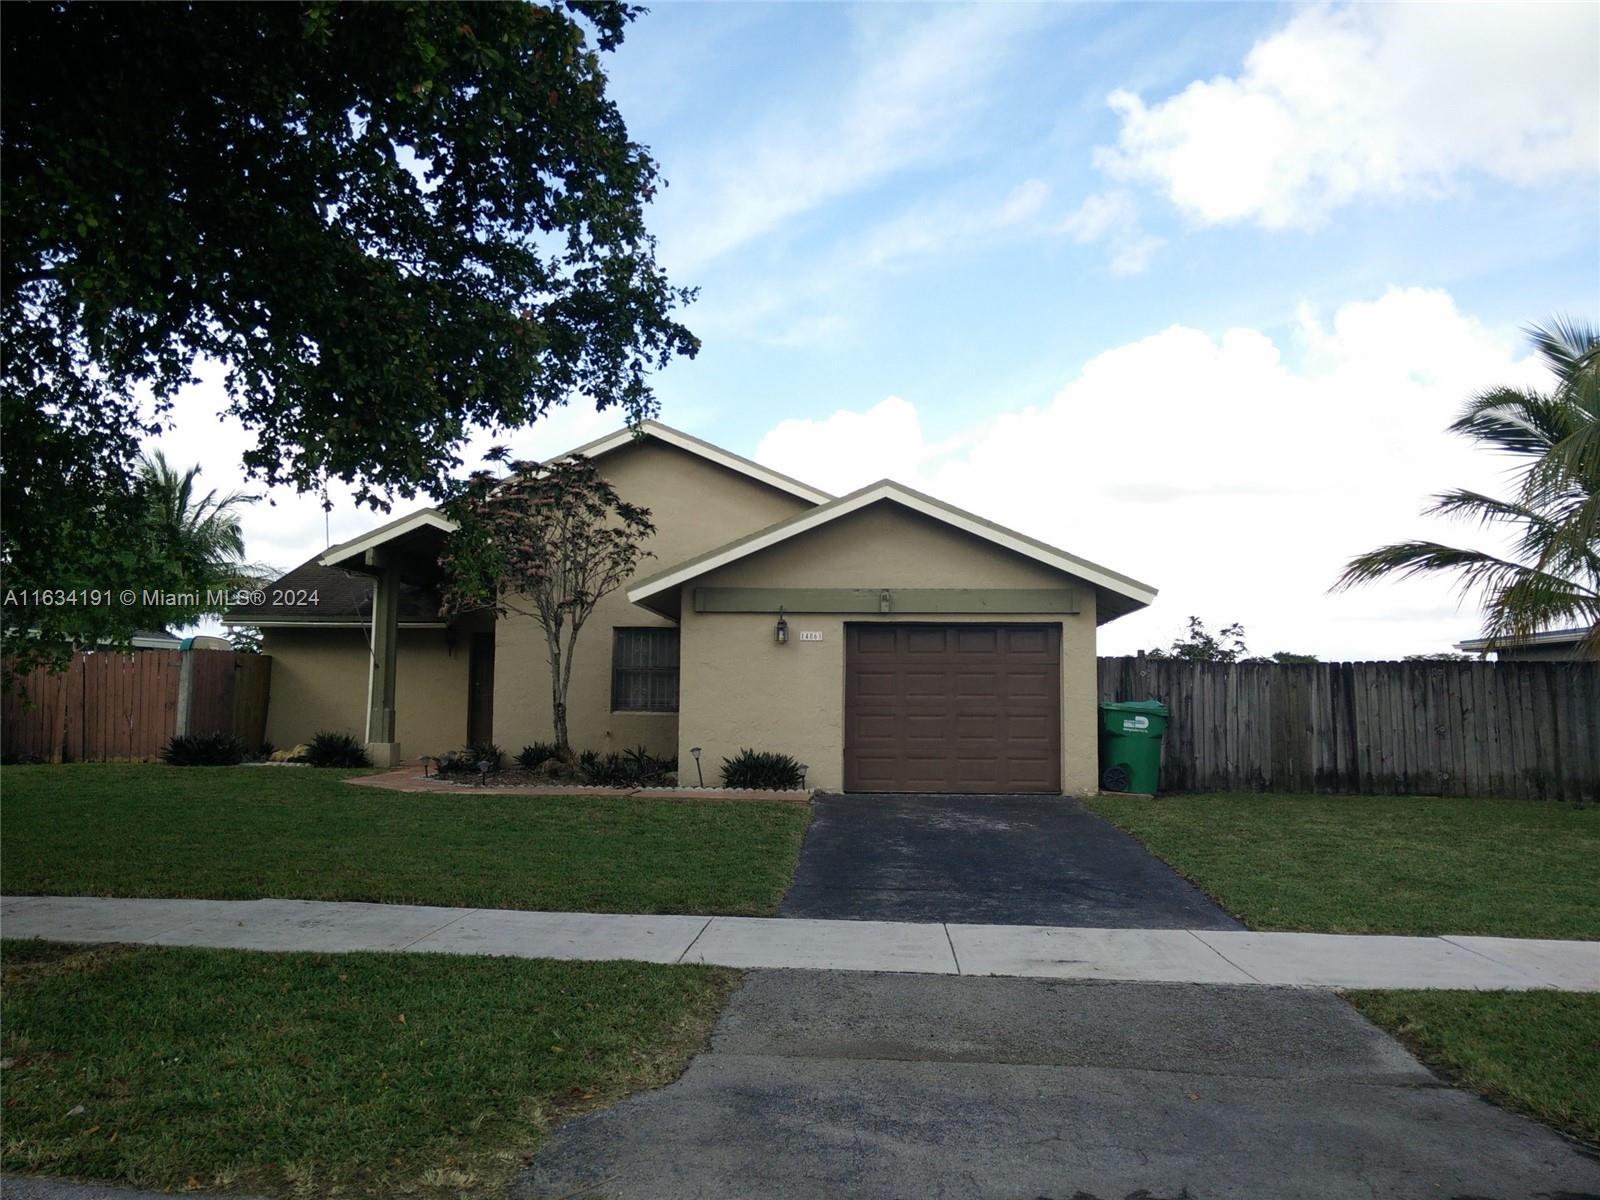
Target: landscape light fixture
(695, 750)
(781, 633)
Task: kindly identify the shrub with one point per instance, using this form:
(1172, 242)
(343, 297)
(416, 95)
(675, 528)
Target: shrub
(648, 770)
(335, 750)
(465, 760)
(539, 752)
(761, 769)
(203, 750)
(265, 751)
(630, 768)
(606, 770)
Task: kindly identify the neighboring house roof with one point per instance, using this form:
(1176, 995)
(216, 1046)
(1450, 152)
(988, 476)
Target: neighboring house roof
(344, 598)
(886, 490)
(1554, 637)
(628, 435)
(155, 639)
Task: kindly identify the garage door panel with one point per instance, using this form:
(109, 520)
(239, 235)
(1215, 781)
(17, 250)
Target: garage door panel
(976, 684)
(876, 683)
(1027, 640)
(924, 685)
(1037, 682)
(877, 725)
(979, 639)
(1034, 728)
(876, 640)
(957, 708)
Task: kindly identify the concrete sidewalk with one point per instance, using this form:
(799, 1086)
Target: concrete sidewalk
(1027, 951)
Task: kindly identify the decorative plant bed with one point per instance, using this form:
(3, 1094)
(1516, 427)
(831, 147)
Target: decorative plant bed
(520, 782)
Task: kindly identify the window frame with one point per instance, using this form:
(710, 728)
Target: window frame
(617, 670)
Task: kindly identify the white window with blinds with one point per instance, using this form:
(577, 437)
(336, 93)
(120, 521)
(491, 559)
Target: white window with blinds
(644, 670)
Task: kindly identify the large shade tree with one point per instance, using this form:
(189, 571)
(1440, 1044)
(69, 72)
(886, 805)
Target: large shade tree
(1551, 576)
(391, 223)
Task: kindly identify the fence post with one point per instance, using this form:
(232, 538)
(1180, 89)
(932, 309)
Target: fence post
(185, 690)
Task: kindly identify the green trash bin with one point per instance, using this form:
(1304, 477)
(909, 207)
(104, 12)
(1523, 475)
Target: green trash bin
(1130, 745)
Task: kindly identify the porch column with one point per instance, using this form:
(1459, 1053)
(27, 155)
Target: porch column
(381, 743)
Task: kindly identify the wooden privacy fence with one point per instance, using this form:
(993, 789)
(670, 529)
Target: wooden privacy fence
(109, 706)
(1398, 728)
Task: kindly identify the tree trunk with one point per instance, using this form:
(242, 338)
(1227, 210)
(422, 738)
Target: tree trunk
(558, 690)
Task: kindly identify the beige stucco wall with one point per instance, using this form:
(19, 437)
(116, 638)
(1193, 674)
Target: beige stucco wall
(695, 506)
(319, 682)
(741, 689)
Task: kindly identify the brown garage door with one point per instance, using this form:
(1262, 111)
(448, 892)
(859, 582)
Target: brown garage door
(952, 708)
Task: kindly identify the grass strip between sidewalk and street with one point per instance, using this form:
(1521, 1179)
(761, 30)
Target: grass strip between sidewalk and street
(241, 833)
(1535, 1052)
(315, 1074)
(1380, 864)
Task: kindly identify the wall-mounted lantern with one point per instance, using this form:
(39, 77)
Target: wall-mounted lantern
(781, 633)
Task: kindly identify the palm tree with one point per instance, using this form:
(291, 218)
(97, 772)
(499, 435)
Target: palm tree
(202, 533)
(1553, 576)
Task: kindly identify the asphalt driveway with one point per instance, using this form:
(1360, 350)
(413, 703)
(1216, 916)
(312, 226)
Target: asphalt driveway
(832, 1084)
(986, 860)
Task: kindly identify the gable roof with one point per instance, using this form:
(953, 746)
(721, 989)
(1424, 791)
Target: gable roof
(1121, 586)
(629, 435)
(352, 553)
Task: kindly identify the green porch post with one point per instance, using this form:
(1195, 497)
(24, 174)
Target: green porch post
(381, 743)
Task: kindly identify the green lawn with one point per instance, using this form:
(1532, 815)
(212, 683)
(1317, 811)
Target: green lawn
(374, 1074)
(1381, 864)
(1537, 1052)
(102, 829)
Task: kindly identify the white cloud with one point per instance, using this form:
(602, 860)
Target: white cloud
(911, 99)
(1235, 474)
(831, 453)
(1374, 100)
(1113, 218)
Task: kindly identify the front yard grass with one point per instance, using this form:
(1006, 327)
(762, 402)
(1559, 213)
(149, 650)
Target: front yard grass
(234, 833)
(1536, 1052)
(1380, 864)
(318, 1074)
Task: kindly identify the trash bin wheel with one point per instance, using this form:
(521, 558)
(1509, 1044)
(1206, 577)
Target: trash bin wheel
(1114, 779)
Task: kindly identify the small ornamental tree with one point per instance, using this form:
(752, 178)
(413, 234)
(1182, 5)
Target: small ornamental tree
(549, 542)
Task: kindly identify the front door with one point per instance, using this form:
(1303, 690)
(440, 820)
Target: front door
(480, 689)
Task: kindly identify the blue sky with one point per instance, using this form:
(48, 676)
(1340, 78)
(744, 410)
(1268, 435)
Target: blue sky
(1190, 290)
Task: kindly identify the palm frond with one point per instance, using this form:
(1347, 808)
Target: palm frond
(1514, 420)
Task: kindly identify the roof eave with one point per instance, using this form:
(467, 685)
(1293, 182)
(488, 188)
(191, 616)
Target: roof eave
(673, 578)
(630, 434)
(351, 555)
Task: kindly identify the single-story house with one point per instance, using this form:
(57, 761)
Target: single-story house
(888, 640)
(1555, 645)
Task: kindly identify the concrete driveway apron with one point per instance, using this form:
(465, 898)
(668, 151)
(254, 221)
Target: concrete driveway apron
(994, 860)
